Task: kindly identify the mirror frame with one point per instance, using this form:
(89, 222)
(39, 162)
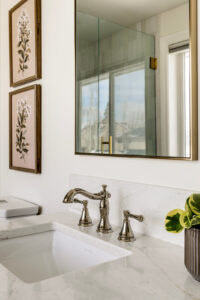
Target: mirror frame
(193, 13)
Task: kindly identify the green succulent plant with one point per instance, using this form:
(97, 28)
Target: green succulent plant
(178, 219)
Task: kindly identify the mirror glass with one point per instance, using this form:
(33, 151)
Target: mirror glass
(133, 78)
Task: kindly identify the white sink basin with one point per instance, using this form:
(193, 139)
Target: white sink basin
(37, 257)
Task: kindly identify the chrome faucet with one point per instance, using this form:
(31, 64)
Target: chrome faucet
(103, 196)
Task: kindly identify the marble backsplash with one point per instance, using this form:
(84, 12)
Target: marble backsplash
(153, 202)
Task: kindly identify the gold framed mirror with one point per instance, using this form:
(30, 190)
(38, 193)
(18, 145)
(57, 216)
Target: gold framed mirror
(136, 78)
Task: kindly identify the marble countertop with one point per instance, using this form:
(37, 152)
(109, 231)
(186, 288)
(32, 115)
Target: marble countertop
(155, 270)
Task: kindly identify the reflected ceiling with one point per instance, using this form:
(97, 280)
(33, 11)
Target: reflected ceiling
(127, 12)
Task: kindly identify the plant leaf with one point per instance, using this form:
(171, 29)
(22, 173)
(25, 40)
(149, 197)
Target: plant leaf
(195, 221)
(188, 209)
(194, 202)
(185, 220)
(172, 221)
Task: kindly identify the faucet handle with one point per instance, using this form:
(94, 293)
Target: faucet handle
(85, 219)
(127, 215)
(126, 233)
(104, 186)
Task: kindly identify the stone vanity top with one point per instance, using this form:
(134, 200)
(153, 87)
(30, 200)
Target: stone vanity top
(154, 271)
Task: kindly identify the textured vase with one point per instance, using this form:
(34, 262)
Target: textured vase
(192, 252)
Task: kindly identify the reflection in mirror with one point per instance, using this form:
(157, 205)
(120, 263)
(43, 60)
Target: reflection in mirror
(133, 78)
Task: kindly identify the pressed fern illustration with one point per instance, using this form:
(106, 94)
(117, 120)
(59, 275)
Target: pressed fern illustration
(23, 45)
(23, 114)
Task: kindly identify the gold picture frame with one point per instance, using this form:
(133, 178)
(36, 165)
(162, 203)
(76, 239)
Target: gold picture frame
(25, 42)
(25, 129)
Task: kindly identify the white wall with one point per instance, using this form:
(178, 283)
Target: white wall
(166, 23)
(58, 124)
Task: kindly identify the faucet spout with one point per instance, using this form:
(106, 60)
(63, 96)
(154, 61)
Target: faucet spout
(69, 197)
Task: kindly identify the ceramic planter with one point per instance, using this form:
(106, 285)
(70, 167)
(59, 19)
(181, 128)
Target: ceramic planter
(192, 251)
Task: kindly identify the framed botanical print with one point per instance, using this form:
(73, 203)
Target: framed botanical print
(25, 129)
(25, 42)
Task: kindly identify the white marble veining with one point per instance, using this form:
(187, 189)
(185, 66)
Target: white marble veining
(155, 270)
(154, 202)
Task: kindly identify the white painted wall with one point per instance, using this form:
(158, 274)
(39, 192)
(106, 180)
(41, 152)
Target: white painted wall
(166, 24)
(58, 156)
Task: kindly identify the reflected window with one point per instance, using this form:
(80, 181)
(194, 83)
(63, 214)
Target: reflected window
(129, 110)
(179, 99)
(93, 117)
(114, 105)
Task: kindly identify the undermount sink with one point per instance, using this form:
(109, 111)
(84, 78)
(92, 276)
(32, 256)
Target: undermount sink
(61, 250)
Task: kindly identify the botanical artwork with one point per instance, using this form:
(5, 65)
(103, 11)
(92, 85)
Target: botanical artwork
(25, 42)
(23, 115)
(24, 35)
(25, 129)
